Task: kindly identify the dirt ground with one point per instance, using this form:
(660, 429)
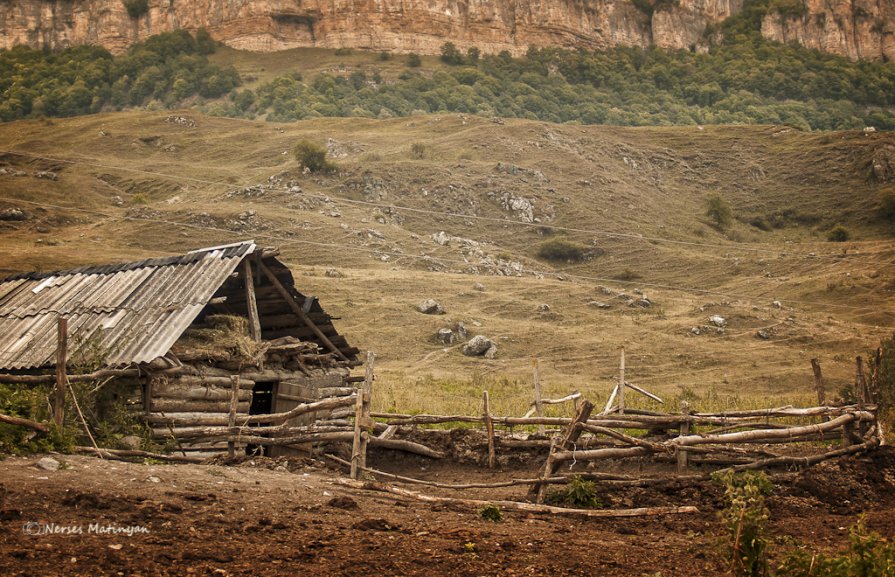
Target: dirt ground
(290, 517)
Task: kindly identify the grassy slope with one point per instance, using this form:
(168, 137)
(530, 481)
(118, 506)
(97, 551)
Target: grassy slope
(651, 182)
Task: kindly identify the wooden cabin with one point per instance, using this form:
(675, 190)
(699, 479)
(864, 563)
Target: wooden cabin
(179, 330)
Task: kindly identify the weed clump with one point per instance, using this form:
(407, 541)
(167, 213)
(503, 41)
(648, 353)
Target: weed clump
(491, 513)
(718, 212)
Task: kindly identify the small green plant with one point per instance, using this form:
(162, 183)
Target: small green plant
(418, 150)
(414, 60)
(579, 493)
(312, 157)
(560, 250)
(718, 211)
(745, 519)
(491, 513)
(385, 56)
(838, 234)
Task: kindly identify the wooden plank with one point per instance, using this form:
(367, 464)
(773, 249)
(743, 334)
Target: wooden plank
(300, 313)
(234, 403)
(251, 303)
(358, 434)
(682, 456)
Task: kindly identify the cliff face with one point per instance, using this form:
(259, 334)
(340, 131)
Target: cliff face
(859, 29)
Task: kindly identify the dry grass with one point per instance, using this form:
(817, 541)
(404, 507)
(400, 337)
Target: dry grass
(577, 177)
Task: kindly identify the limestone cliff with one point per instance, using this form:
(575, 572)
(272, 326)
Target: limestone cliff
(859, 29)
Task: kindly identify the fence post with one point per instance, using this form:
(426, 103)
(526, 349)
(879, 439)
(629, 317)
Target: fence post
(818, 382)
(362, 420)
(621, 384)
(682, 455)
(489, 428)
(61, 378)
(536, 381)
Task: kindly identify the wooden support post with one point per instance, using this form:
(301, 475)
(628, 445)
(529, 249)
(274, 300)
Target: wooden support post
(536, 381)
(74, 401)
(489, 428)
(231, 418)
(363, 423)
(61, 378)
(848, 430)
(621, 384)
(300, 313)
(251, 301)
(874, 375)
(567, 444)
(684, 431)
(818, 382)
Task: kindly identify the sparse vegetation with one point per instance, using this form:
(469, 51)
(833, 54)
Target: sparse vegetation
(868, 555)
(414, 60)
(418, 150)
(312, 156)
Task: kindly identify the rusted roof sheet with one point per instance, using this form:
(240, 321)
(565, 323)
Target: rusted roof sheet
(117, 314)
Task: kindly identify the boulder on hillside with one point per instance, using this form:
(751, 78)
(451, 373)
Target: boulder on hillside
(477, 346)
(430, 307)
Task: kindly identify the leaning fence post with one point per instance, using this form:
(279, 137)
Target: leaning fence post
(489, 428)
(567, 444)
(61, 378)
(682, 455)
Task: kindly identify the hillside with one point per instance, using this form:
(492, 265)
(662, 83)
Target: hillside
(858, 30)
(434, 206)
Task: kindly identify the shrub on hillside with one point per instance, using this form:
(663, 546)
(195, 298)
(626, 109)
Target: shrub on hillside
(718, 211)
(414, 60)
(312, 157)
(560, 250)
(838, 234)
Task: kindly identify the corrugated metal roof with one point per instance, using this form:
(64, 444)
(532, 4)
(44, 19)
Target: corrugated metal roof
(120, 314)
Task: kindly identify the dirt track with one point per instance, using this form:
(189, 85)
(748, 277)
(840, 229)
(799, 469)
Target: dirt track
(289, 517)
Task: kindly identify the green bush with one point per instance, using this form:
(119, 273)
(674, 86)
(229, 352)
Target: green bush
(450, 54)
(838, 234)
(136, 8)
(559, 250)
(491, 513)
(418, 150)
(414, 60)
(718, 211)
(312, 156)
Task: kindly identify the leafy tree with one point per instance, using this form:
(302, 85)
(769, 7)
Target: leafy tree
(450, 54)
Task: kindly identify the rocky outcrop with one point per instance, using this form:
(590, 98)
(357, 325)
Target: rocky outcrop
(860, 29)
